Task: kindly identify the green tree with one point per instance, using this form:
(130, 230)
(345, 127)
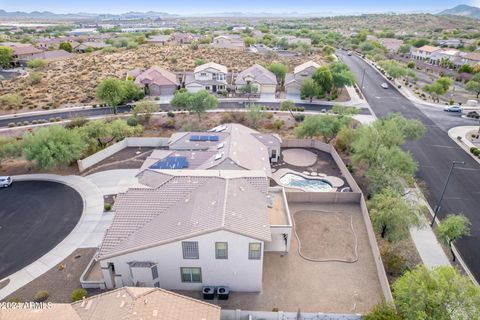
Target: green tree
(248, 41)
(248, 89)
(145, 108)
(52, 146)
(6, 56)
(391, 215)
(280, 70)
(255, 114)
(404, 49)
(324, 79)
(382, 311)
(441, 293)
(436, 89)
(466, 68)
(445, 82)
(288, 105)
(99, 133)
(309, 89)
(9, 148)
(328, 50)
(67, 46)
(112, 92)
(453, 228)
(341, 75)
(474, 85)
(131, 91)
(394, 69)
(180, 99)
(202, 101)
(325, 126)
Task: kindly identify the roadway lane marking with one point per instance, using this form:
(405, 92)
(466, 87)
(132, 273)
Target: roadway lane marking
(448, 147)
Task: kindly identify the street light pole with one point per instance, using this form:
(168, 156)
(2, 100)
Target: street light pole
(437, 208)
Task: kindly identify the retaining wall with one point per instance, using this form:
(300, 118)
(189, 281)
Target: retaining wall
(280, 315)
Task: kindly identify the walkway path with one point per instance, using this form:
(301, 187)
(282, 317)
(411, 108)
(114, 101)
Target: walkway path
(85, 234)
(114, 181)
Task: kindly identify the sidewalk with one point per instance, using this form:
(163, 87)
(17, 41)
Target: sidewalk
(424, 238)
(86, 233)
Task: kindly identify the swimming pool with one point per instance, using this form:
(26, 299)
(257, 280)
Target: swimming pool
(297, 181)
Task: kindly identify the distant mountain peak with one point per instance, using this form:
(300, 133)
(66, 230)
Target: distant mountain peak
(462, 10)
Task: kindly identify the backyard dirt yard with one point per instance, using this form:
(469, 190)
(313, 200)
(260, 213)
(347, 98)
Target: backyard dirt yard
(57, 281)
(73, 81)
(291, 283)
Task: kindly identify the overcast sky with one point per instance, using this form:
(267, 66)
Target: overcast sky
(202, 6)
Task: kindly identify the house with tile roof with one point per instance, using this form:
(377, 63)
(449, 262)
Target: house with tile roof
(210, 76)
(260, 77)
(229, 41)
(187, 223)
(127, 303)
(185, 229)
(424, 52)
(293, 81)
(156, 81)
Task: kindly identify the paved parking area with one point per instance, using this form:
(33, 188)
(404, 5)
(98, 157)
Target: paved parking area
(34, 217)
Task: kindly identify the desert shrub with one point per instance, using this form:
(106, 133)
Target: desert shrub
(76, 123)
(299, 117)
(169, 124)
(41, 296)
(278, 124)
(19, 123)
(269, 115)
(171, 114)
(35, 78)
(11, 124)
(14, 300)
(26, 123)
(78, 294)
(395, 263)
(36, 63)
(107, 206)
(11, 100)
(132, 121)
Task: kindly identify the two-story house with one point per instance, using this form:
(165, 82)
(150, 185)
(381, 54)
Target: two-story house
(293, 81)
(423, 53)
(209, 76)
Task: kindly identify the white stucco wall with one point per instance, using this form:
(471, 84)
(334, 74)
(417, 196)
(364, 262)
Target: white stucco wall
(268, 89)
(238, 272)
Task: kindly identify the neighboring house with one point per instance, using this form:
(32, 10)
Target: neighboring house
(128, 303)
(157, 81)
(264, 80)
(183, 37)
(391, 44)
(209, 76)
(446, 58)
(451, 43)
(22, 52)
(159, 39)
(471, 58)
(293, 81)
(83, 31)
(229, 42)
(423, 53)
(84, 47)
(52, 55)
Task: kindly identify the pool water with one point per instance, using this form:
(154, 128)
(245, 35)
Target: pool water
(295, 180)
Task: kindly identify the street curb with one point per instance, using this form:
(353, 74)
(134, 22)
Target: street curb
(461, 143)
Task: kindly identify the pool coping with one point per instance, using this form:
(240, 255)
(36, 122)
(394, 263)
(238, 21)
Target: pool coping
(333, 181)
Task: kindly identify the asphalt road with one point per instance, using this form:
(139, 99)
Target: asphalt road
(434, 153)
(34, 217)
(93, 112)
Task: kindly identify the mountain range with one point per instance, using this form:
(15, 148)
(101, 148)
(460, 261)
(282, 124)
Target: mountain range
(82, 15)
(463, 10)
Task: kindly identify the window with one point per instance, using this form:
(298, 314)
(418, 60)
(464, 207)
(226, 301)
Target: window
(156, 284)
(191, 274)
(190, 249)
(154, 272)
(221, 250)
(254, 251)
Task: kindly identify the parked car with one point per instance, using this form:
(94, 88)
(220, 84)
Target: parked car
(349, 53)
(452, 109)
(384, 85)
(5, 181)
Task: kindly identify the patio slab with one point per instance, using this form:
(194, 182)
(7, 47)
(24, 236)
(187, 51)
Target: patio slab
(299, 157)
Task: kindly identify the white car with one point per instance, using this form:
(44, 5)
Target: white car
(384, 85)
(5, 182)
(452, 109)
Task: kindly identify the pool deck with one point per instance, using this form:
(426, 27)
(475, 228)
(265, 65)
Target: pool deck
(335, 182)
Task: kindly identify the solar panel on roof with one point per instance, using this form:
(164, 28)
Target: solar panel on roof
(171, 162)
(204, 138)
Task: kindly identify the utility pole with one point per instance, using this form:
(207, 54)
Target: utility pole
(437, 208)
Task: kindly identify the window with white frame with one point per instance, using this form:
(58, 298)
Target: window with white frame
(191, 274)
(190, 249)
(254, 251)
(221, 250)
(154, 272)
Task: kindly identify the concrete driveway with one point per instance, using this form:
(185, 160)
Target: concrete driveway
(114, 181)
(34, 217)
